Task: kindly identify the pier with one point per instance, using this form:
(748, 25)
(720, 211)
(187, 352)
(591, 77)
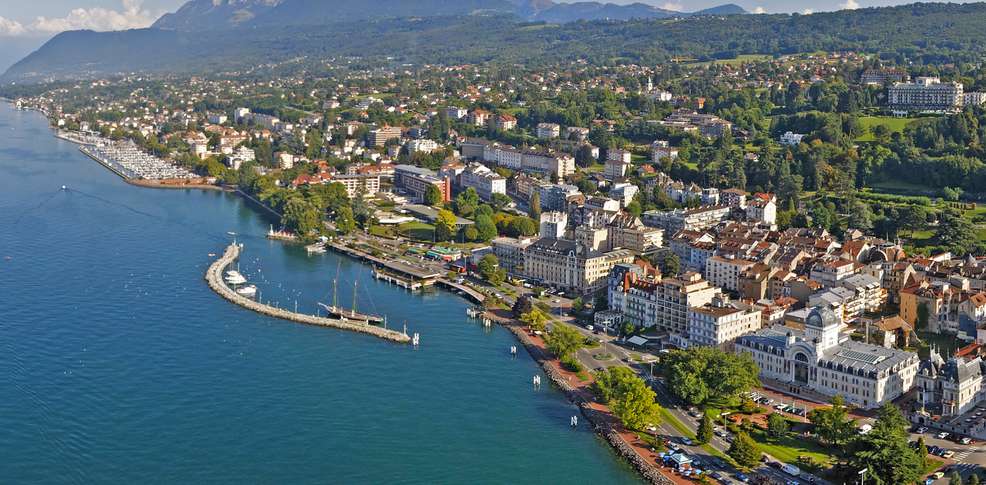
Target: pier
(214, 276)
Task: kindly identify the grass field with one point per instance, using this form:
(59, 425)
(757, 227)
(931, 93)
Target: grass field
(740, 59)
(417, 230)
(790, 447)
(896, 125)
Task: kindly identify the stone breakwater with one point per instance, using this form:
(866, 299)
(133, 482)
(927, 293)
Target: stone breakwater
(598, 420)
(214, 276)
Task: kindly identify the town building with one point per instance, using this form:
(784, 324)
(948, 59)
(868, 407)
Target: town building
(698, 219)
(821, 359)
(380, 136)
(485, 181)
(719, 323)
(926, 94)
(562, 264)
(547, 131)
(415, 180)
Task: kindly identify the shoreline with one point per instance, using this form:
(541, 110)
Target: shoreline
(213, 277)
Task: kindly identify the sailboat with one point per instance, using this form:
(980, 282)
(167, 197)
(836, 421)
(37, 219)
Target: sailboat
(336, 311)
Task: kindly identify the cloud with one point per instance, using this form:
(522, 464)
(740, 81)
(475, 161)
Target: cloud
(676, 6)
(849, 5)
(759, 10)
(131, 16)
(10, 27)
(807, 11)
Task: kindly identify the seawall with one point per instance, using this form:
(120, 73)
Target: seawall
(214, 276)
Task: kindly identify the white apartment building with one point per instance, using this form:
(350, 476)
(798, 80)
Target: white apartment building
(553, 224)
(547, 131)
(660, 150)
(485, 181)
(925, 94)
(662, 303)
(822, 359)
(724, 271)
(719, 323)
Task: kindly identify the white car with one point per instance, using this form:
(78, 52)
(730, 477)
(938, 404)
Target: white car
(942, 435)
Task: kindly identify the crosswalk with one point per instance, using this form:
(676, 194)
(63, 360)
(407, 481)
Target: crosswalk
(962, 455)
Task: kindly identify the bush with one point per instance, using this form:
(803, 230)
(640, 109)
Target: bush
(569, 362)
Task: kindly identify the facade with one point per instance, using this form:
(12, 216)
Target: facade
(547, 131)
(660, 303)
(510, 253)
(725, 272)
(415, 180)
(950, 388)
(554, 197)
(380, 136)
(358, 183)
(791, 139)
(553, 224)
(718, 324)
(560, 263)
(485, 181)
(660, 150)
(677, 220)
(821, 359)
(926, 94)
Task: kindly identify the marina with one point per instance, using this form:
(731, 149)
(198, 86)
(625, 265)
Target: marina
(214, 277)
(127, 160)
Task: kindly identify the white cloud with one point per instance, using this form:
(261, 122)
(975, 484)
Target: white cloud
(10, 27)
(131, 16)
(807, 11)
(849, 5)
(759, 10)
(676, 6)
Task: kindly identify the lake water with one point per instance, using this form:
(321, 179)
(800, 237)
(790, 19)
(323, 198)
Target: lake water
(119, 365)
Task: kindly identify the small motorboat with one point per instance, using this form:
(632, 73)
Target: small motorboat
(248, 291)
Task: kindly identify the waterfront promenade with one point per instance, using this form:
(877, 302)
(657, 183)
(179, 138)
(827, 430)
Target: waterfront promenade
(214, 276)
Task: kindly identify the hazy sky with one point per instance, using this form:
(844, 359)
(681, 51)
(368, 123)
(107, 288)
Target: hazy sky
(42, 18)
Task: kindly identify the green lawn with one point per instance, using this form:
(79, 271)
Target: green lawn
(740, 59)
(896, 125)
(790, 447)
(417, 230)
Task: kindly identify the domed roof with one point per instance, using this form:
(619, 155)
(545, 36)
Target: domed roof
(822, 317)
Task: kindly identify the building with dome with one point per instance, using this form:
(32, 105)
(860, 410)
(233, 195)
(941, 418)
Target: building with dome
(820, 358)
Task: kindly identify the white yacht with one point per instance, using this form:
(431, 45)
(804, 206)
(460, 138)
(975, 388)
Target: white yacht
(235, 278)
(248, 291)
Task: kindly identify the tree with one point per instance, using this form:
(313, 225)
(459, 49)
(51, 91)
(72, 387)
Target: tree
(885, 452)
(485, 228)
(744, 450)
(833, 424)
(922, 316)
(488, 266)
(954, 478)
(777, 426)
(433, 196)
(445, 225)
(535, 319)
(535, 209)
(521, 306)
(301, 216)
(973, 478)
(704, 433)
(344, 221)
(578, 305)
(955, 233)
(523, 226)
(668, 262)
(636, 407)
(613, 382)
(704, 373)
(564, 341)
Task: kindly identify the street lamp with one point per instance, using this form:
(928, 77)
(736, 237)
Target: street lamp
(862, 475)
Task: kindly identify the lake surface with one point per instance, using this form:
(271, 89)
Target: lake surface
(119, 365)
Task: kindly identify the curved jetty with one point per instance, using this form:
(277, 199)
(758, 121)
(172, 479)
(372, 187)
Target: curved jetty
(214, 276)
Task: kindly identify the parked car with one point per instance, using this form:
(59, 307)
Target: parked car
(742, 477)
(948, 454)
(921, 430)
(942, 435)
(966, 440)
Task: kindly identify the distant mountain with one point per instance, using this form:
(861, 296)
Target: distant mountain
(922, 33)
(202, 15)
(727, 9)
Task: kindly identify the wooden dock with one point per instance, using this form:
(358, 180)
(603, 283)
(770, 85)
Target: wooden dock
(214, 276)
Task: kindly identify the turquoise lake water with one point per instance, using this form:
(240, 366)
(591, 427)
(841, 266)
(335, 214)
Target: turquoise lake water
(119, 365)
